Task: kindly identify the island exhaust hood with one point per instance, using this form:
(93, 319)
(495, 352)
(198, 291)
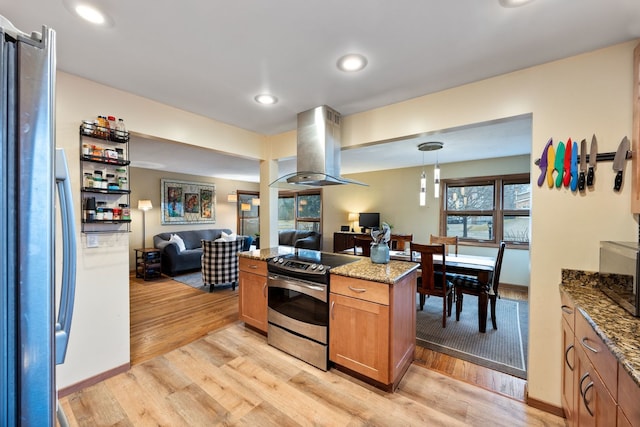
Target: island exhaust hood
(318, 151)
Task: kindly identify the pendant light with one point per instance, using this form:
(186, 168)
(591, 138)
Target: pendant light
(429, 146)
(436, 179)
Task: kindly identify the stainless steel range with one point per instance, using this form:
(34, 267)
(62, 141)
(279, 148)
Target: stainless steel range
(298, 300)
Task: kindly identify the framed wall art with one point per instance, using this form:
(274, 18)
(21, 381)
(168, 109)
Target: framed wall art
(185, 202)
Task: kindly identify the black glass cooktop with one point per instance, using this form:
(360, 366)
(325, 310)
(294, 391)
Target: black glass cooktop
(324, 258)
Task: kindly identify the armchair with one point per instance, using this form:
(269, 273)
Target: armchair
(220, 262)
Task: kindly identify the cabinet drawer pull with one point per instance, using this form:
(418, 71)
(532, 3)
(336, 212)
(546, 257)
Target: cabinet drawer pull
(584, 377)
(333, 303)
(253, 266)
(566, 357)
(357, 289)
(584, 398)
(587, 346)
(264, 289)
(567, 309)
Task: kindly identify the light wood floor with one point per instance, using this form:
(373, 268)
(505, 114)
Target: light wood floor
(231, 376)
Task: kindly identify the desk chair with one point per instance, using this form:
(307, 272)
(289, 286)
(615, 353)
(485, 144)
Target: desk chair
(485, 291)
(398, 242)
(363, 242)
(448, 241)
(433, 278)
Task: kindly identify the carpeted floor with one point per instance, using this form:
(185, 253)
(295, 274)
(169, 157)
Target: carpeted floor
(504, 349)
(195, 281)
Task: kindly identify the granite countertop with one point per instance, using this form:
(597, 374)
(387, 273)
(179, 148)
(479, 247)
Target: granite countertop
(618, 329)
(363, 268)
(366, 270)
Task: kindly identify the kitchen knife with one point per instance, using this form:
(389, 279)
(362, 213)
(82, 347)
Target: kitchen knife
(593, 154)
(566, 177)
(551, 158)
(583, 164)
(559, 165)
(574, 166)
(544, 163)
(618, 163)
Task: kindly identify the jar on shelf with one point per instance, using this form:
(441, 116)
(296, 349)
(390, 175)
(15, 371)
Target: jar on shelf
(108, 214)
(126, 212)
(121, 130)
(88, 180)
(100, 211)
(123, 183)
(86, 149)
(120, 152)
(117, 214)
(88, 127)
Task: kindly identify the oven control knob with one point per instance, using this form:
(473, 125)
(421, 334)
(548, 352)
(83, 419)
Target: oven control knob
(314, 266)
(280, 260)
(321, 267)
(275, 260)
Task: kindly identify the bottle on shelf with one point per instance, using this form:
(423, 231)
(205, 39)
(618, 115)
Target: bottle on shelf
(121, 130)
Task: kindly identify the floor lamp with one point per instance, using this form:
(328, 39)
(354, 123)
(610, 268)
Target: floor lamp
(144, 206)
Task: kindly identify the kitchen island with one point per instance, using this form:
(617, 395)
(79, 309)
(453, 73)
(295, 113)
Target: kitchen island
(601, 355)
(371, 313)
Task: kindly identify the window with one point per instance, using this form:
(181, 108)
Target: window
(300, 210)
(487, 209)
(248, 213)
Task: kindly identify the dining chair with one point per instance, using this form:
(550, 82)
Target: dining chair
(398, 242)
(486, 292)
(363, 242)
(449, 241)
(432, 280)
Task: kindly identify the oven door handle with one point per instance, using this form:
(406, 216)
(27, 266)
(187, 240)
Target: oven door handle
(296, 283)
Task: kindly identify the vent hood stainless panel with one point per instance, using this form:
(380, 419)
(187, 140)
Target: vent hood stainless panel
(318, 151)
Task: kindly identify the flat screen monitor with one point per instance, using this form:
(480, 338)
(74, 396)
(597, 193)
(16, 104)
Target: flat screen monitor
(369, 220)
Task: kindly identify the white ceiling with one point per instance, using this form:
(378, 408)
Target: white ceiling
(212, 57)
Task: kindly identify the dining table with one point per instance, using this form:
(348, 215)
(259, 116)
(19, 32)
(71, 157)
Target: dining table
(470, 265)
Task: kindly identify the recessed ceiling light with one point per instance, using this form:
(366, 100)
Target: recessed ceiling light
(513, 3)
(90, 13)
(266, 99)
(352, 62)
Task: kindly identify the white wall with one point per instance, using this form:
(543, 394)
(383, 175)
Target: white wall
(99, 338)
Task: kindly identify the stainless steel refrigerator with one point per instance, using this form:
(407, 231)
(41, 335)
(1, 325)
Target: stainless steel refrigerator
(34, 324)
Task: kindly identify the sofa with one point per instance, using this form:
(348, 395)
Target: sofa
(174, 261)
(300, 239)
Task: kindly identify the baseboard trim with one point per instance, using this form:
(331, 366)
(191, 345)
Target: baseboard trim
(543, 406)
(514, 288)
(93, 380)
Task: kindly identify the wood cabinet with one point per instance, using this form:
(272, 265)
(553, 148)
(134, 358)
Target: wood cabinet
(253, 293)
(372, 327)
(596, 389)
(344, 240)
(595, 405)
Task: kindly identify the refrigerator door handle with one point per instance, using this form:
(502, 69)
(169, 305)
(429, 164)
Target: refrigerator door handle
(68, 290)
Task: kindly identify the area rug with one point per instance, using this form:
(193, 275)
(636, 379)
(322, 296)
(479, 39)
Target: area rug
(195, 281)
(504, 349)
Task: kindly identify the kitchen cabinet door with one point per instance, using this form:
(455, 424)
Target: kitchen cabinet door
(595, 405)
(568, 370)
(359, 336)
(252, 294)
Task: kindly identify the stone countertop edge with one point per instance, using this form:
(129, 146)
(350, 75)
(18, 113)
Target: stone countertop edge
(384, 273)
(619, 330)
